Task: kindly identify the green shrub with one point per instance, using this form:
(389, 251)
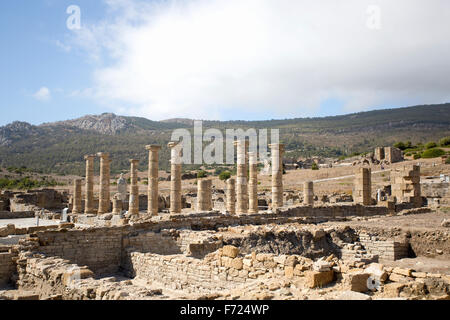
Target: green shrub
(201, 174)
(225, 175)
(315, 166)
(433, 153)
(447, 161)
(444, 142)
(417, 156)
(430, 145)
(400, 145)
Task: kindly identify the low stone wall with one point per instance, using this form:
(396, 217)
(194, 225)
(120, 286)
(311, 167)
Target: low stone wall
(214, 273)
(99, 249)
(7, 267)
(437, 191)
(16, 215)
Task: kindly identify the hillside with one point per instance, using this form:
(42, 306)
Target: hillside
(59, 147)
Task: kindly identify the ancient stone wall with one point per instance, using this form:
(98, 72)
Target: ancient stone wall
(99, 249)
(386, 249)
(7, 267)
(16, 215)
(406, 185)
(438, 191)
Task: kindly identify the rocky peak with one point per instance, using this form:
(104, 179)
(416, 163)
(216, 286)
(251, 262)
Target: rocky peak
(14, 130)
(106, 123)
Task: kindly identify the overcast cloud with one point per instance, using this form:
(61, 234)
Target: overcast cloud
(221, 59)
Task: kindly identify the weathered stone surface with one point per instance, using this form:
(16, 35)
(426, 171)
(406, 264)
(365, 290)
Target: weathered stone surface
(230, 251)
(316, 279)
(357, 281)
(377, 272)
(403, 272)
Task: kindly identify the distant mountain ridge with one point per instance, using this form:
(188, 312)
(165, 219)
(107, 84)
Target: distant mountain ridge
(60, 146)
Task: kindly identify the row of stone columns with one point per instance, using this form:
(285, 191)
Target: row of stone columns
(104, 192)
(242, 193)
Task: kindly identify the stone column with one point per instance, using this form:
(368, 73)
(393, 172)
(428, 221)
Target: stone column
(89, 192)
(308, 193)
(253, 183)
(152, 189)
(204, 194)
(277, 151)
(231, 196)
(104, 201)
(77, 196)
(133, 206)
(362, 187)
(175, 177)
(241, 179)
(117, 204)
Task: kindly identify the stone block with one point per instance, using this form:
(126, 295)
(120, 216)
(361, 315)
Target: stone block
(403, 272)
(230, 251)
(357, 281)
(237, 263)
(316, 279)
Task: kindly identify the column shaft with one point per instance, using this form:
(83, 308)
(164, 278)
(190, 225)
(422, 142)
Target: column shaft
(308, 193)
(77, 196)
(89, 190)
(104, 201)
(152, 190)
(277, 151)
(253, 183)
(175, 176)
(133, 206)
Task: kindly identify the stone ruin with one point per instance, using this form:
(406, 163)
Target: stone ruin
(388, 154)
(239, 252)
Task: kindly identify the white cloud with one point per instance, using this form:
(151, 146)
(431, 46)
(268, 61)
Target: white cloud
(223, 58)
(43, 94)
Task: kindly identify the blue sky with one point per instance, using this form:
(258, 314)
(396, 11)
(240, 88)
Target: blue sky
(31, 59)
(214, 60)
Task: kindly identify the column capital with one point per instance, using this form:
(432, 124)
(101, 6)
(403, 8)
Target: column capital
(277, 145)
(134, 161)
(246, 141)
(89, 157)
(153, 147)
(172, 144)
(103, 155)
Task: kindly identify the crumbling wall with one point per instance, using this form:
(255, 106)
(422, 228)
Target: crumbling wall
(439, 191)
(386, 249)
(406, 185)
(7, 267)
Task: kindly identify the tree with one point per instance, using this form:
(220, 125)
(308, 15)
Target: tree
(400, 145)
(430, 145)
(201, 174)
(225, 175)
(433, 153)
(444, 142)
